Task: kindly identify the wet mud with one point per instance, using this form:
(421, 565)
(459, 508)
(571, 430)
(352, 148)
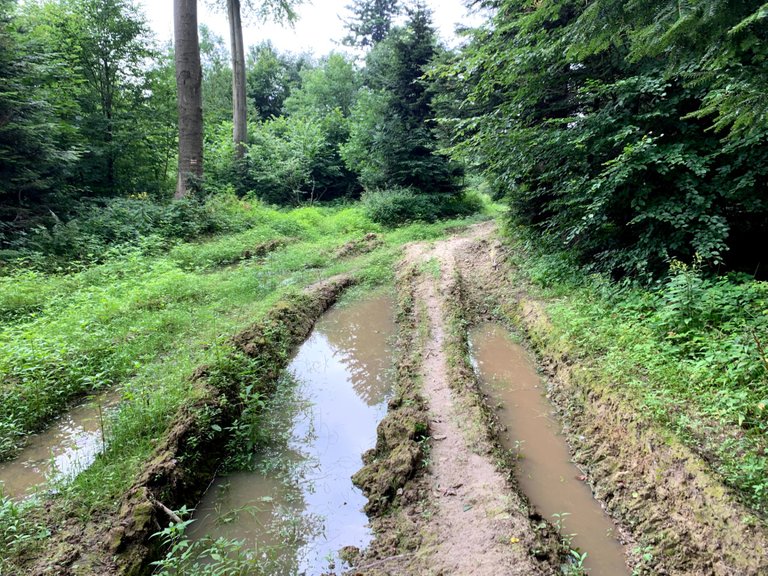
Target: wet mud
(675, 515)
(441, 497)
(299, 508)
(68, 447)
(543, 467)
(119, 541)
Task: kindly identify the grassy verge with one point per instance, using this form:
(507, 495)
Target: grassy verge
(689, 352)
(144, 322)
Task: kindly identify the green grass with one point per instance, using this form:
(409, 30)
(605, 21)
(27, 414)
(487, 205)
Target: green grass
(67, 335)
(687, 351)
(143, 320)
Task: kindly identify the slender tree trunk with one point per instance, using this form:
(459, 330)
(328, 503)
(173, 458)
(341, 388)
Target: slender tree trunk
(239, 112)
(189, 76)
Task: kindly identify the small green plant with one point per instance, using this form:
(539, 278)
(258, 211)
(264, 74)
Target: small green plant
(559, 518)
(205, 557)
(425, 447)
(517, 447)
(575, 565)
(645, 554)
(559, 522)
(431, 267)
(16, 530)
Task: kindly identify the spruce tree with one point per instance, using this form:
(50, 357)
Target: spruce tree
(371, 21)
(393, 143)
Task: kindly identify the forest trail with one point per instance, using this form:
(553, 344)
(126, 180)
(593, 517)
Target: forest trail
(473, 523)
(460, 514)
(445, 494)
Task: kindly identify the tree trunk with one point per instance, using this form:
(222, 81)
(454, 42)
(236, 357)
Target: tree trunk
(189, 76)
(239, 113)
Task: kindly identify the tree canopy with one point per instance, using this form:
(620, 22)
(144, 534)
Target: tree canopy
(370, 21)
(630, 134)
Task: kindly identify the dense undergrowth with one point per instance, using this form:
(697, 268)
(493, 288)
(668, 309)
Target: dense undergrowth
(690, 350)
(143, 319)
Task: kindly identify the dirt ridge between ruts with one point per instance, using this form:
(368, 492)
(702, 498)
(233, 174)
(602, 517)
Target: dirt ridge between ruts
(187, 458)
(389, 469)
(458, 515)
(683, 518)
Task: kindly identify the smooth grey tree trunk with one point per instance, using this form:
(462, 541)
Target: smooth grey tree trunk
(189, 76)
(239, 111)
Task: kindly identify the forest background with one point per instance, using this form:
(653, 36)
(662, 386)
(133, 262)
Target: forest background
(627, 139)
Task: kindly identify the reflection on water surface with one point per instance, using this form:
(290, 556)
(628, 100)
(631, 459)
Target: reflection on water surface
(299, 508)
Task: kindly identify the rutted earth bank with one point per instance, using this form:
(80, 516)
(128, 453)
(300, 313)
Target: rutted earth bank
(187, 458)
(463, 513)
(442, 492)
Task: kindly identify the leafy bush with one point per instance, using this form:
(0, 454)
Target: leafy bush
(398, 206)
(616, 149)
(140, 221)
(296, 159)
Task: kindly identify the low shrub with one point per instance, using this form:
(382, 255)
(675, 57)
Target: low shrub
(397, 206)
(99, 225)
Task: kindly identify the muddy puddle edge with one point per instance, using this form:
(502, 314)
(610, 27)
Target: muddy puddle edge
(332, 396)
(395, 471)
(182, 465)
(660, 494)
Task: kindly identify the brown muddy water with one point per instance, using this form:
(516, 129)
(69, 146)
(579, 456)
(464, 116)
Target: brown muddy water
(61, 452)
(544, 470)
(299, 508)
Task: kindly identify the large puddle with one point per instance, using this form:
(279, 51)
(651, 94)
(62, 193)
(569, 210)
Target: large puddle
(545, 472)
(299, 508)
(61, 452)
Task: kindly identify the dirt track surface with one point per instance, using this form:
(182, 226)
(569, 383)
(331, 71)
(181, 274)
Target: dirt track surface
(478, 525)
(467, 519)
(462, 514)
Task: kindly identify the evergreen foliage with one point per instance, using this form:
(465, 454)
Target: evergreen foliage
(370, 22)
(604, 124)
(392, 142)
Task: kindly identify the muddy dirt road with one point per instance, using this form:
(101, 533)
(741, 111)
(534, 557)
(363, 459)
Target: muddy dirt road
(455, 506)
(459, 514)
(444, 483)
(476, 524)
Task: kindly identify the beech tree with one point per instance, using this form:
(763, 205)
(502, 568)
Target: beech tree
(262, 10)
(239, 109)
(189, 75)
(634, 134)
